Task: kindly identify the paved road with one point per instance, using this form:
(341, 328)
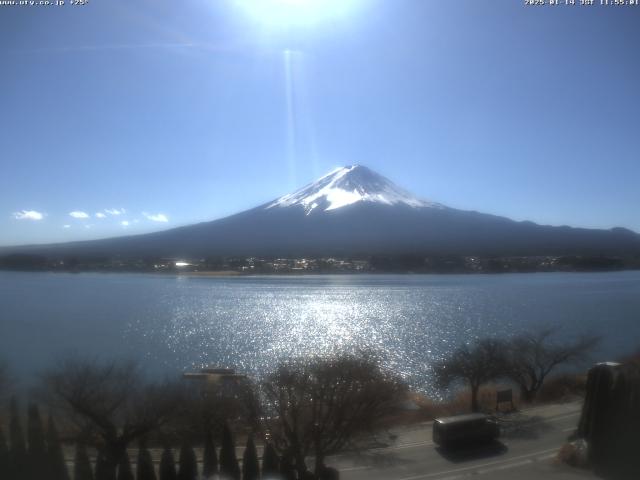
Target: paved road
(529, 443)
(527, 449)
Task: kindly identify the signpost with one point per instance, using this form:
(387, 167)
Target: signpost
(503, 396)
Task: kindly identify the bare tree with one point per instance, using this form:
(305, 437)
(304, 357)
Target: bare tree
(533, 356)
(205, 407)
(324, 405)
(110, 400)
(474, 365)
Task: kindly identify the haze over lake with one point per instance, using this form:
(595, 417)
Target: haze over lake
(172, 323)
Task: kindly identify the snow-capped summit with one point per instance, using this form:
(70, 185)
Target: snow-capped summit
(348, 185)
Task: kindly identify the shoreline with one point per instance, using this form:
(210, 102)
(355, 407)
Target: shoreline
(234, 273)
(203, 274)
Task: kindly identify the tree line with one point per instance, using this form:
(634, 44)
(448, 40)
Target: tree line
(39, 455)
(303, 410)
(526, 360)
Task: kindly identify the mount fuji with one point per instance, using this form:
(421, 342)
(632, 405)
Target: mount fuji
(346, 186)
(354, 211)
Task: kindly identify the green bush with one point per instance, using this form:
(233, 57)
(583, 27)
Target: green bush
(82, 465)
(210, 459)
(144, 470)
(229, 467)
(56, 464)
(37, 450)
(167, 465)
(250, 465)
(188, 463)
(270, 461)
(124, 468)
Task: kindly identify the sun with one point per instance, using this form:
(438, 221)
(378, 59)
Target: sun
(285, 13)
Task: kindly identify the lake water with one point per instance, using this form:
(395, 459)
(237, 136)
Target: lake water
(171, 323)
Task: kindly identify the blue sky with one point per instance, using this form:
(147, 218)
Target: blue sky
(175, 112)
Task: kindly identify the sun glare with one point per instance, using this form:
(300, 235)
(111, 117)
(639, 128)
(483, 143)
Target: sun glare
(285, 13)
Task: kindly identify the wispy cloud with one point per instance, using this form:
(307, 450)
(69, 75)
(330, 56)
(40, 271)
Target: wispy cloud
(100, 215)
(158, 217)
(28, 215)
(124, 223)
(79, 214)
(66, 226)
(133, 46)
(115, 211)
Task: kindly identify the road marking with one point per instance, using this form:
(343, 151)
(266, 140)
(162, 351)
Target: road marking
(476, 467)
(472, 467)
(506, 466)
(352, 469)
(501, 467)
(561, 417)
(517, 464)
(565, 407)
(555, 419)
(407, 445)
(383, 449)
(547, 457)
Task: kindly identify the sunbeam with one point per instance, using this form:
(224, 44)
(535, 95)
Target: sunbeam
(291, 123)
(297, 12)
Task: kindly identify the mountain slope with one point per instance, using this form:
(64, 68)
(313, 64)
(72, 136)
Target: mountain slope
(355, 211)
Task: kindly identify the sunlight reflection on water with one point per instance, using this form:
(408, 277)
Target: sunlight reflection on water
(252, 323)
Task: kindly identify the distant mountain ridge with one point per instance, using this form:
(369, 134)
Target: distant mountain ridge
(349, 212)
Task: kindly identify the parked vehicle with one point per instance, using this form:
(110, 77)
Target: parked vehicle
(465, 429)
